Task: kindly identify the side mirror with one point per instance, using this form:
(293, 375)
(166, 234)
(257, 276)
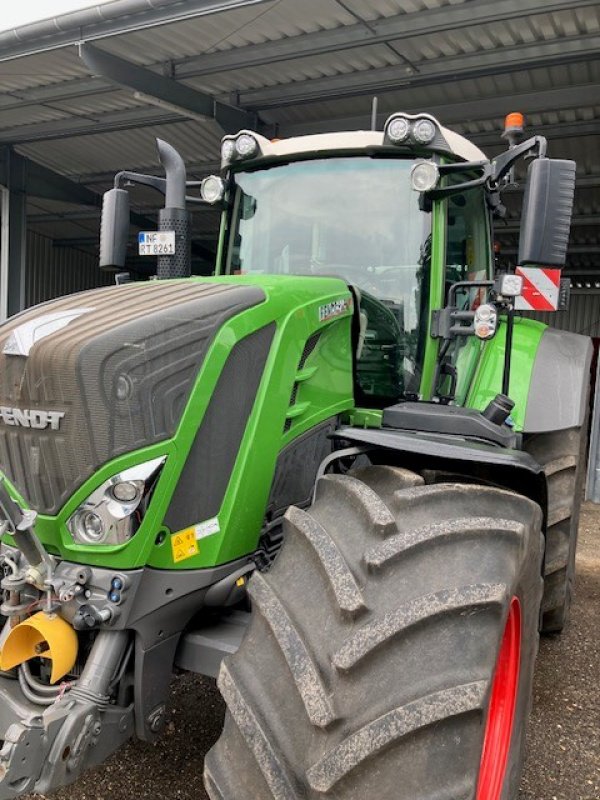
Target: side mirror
(114, 229)
(546, 215)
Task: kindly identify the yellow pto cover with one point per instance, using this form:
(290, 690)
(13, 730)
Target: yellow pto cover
(41, 635)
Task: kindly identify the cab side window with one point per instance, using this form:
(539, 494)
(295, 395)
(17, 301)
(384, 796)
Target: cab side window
(468, 258)
(467, 239)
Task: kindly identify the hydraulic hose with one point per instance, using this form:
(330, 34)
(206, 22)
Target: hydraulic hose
(29, 694)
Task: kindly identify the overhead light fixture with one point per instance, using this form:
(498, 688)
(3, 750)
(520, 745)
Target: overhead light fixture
(173, 107)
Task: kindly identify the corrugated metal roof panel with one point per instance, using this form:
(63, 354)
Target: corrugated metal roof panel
(99, 103)
(358, 59)
(454, 92)
(41, 69)
(251, 25)
(29, 115)
(132, 149)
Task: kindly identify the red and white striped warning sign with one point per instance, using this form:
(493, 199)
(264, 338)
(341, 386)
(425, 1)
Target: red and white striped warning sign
(541, 286)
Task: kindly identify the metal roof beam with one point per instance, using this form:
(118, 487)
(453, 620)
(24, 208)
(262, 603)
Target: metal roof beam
(84, 126)
(43, 182)
(482, 108)
(402, 26)
(86, 214)
(476, 109)
(434, 71)
(170, 94)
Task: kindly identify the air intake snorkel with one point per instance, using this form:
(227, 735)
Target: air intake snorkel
(114, 227)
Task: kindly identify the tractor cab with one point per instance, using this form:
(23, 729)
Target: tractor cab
(351, 205)
(404, 216)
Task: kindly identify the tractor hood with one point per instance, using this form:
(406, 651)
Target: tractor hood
(86, 378)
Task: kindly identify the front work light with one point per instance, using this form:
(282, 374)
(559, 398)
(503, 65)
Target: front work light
(212, 189)
(238, 147)
(508, 285)
(227, 151)
(246, 145)
(398, 129)
(114, 511)
(424, 176)
(423, 130)
(416, 129)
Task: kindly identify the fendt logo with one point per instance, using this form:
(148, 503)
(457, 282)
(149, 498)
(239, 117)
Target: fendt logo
(31, 418)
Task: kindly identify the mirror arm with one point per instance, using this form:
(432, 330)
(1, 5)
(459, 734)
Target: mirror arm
(124, 177)
(535, 147)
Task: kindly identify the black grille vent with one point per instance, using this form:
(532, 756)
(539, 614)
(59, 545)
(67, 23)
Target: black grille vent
(269, 546)
(309, 347)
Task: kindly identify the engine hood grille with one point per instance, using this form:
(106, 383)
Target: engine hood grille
(112, 378)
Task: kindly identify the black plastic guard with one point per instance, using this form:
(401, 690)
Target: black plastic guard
(498, 466)
(445, 419)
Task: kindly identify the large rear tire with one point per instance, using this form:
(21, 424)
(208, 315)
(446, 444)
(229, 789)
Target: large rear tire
(392, 644)
(562, 455)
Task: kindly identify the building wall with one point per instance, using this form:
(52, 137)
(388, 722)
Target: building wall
(582, 316)
(55, 271)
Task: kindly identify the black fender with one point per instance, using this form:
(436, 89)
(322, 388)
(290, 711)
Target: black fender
(560, 380)
(501, 466)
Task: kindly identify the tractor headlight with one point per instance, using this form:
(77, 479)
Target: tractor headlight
(92, 527)
(424, 176)
(114, 511)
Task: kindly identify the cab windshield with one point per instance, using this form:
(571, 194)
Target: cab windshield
(356, 218)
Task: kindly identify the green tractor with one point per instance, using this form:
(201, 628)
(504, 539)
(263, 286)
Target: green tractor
(344, 462)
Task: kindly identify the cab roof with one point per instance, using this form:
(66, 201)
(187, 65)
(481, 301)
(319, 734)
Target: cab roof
(458, 146)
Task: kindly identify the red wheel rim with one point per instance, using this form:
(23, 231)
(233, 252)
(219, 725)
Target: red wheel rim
(501, 713)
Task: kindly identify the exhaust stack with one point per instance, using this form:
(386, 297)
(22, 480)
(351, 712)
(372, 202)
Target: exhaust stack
(174, 217)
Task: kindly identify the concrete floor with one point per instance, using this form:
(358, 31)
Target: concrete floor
(564, 734)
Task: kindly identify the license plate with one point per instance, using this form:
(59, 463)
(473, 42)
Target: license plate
(156, 243)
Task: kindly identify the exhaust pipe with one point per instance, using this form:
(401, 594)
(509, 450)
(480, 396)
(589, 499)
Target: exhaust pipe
(174, 217)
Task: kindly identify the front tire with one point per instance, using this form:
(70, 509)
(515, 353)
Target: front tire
(369, 666)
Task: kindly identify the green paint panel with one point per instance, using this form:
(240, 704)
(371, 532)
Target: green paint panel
(487, 382)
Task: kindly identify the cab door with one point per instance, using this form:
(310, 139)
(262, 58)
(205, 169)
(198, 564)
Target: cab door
(468, 258)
